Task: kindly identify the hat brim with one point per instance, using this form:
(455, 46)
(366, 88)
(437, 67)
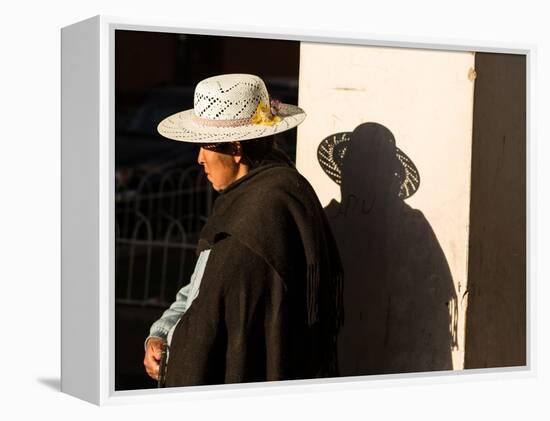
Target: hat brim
(331, 163)
(184, 127)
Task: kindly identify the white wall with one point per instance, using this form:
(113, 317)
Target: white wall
(426, 99)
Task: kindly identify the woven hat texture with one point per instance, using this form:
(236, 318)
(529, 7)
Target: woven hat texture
(229, 108)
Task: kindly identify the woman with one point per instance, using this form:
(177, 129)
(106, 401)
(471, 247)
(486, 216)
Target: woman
(266, 290)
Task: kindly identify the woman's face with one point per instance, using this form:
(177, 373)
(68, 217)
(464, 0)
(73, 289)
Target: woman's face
(222, 165)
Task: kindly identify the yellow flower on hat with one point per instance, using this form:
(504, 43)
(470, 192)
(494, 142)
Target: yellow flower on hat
(264, 116)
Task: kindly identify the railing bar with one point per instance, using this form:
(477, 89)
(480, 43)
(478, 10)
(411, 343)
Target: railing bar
(130, 272)
(163, 276)
(159, 304)
(164, 194)
(157, 244)
(147, 273)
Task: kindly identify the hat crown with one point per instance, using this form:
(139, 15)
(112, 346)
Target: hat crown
(229, 97)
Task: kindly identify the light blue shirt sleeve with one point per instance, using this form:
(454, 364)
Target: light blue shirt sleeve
(185, 296)
(171, 316)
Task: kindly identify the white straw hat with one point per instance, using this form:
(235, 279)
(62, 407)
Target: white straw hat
(229, 108)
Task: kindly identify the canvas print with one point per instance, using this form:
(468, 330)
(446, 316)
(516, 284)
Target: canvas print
(291, 210)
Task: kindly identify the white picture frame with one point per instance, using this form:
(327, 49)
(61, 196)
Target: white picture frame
(88, 212)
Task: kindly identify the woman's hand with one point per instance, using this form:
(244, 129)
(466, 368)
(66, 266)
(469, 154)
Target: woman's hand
(153, 350)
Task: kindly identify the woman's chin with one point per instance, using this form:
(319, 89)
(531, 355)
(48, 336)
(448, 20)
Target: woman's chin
(216, 187)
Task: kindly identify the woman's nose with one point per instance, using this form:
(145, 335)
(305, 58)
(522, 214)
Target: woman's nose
(200, 157)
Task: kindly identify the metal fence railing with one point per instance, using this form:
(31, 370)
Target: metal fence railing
(157, 227)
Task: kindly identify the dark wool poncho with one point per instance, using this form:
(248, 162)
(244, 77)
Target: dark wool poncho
(270, 300)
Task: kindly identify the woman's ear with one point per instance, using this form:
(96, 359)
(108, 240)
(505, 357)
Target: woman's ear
(237, 152)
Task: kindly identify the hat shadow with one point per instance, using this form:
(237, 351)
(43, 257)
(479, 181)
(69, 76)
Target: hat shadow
(399, 294)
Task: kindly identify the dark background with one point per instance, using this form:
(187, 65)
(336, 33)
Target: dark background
(162, 199)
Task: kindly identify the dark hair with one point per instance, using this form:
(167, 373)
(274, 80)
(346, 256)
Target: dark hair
(255, 151)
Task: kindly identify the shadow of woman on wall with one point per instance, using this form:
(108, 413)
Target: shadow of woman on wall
(398, 293)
